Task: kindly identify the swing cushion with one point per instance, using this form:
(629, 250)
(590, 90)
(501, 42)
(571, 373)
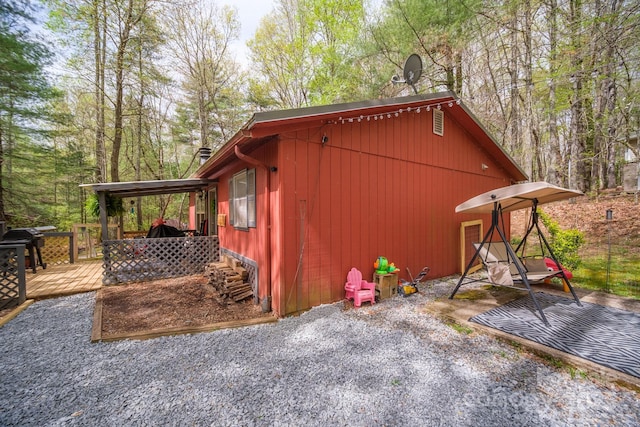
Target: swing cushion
(496, 253)
(535, 265)
(498, 273)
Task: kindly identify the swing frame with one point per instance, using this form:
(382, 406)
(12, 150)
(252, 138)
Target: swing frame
(515, 199)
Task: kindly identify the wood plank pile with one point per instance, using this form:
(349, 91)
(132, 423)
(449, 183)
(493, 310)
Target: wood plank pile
(230, 279)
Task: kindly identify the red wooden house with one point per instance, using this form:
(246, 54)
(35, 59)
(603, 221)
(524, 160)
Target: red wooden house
(306, 194)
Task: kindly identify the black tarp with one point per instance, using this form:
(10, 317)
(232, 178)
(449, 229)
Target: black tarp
(164, 230)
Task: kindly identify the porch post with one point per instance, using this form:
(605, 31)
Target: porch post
(102, 201)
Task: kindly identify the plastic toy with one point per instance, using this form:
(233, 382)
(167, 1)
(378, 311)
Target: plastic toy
(382, 266)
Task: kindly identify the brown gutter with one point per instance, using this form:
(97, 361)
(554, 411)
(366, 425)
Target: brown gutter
(266, 301)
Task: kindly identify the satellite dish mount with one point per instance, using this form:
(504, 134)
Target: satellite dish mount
(411, 72)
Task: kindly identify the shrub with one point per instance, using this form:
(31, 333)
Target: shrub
(564, 243)
(115, 206)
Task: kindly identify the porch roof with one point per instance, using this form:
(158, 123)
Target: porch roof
(150, 188)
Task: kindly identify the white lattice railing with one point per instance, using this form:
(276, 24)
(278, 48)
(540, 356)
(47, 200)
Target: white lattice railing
(133, 260)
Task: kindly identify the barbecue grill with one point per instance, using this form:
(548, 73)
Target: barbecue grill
(33, 241)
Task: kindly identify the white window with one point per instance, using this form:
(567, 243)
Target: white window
(242, 199)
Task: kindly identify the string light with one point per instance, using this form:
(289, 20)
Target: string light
(397, 113)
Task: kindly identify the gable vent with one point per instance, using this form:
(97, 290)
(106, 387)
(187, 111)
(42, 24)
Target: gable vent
(438, 122)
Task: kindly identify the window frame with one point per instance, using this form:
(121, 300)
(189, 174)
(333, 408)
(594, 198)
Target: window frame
(242, 199)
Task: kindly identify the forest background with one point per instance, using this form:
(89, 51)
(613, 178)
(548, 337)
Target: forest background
(143, 84)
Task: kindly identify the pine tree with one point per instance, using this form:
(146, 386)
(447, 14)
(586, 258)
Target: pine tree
(24, 89)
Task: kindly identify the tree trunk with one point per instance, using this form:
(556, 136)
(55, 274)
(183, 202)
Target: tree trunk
(612, 144)
(578, 114)
(556, 171)
(119, 73)
(609, 96)
(532, 147)
(513, 71)
(99, 28)
(138, 148)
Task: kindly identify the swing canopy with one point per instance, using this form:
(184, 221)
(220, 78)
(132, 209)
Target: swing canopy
(518, 196)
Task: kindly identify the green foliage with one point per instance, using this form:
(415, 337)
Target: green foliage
(23, 84)
(564, 243)
(115, 205)
(307, 53)
(438, 32)
(25, 114)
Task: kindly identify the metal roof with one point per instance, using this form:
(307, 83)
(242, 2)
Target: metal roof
(348, 107)
(150, 188)
(264, 125)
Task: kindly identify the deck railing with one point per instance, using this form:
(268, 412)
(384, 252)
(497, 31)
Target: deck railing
(13, 283)
(58, 248)
(132, 260)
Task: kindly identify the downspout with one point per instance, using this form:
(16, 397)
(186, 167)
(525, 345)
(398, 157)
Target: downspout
(266, 301)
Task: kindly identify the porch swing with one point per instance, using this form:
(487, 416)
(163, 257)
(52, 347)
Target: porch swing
(502, 262)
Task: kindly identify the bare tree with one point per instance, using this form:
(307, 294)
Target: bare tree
(200, 36)
(126, 17)
(99, 25)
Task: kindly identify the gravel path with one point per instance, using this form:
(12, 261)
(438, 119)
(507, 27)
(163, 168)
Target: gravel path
(387, 364)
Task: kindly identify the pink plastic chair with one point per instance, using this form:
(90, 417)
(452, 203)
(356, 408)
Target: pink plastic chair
(359, 290)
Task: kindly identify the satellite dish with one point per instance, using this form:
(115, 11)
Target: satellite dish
(412, 70)
(411, 73)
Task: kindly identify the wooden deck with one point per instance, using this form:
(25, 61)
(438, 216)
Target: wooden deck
(64, 279)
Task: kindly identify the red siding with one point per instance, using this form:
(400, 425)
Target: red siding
(385, 187)
(254, 242)
(377, 188)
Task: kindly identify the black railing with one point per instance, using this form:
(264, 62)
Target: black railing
(13, 284)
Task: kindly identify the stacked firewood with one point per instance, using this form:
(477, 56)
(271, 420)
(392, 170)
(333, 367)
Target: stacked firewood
(230, 279)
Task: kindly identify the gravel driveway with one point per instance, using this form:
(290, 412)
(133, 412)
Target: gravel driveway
(383, 365)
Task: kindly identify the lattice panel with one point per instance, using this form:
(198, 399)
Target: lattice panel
(252, 271)
(150, 259)
(57, 249)
(13, 285)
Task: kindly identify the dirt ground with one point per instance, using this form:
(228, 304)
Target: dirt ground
(169, 303)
